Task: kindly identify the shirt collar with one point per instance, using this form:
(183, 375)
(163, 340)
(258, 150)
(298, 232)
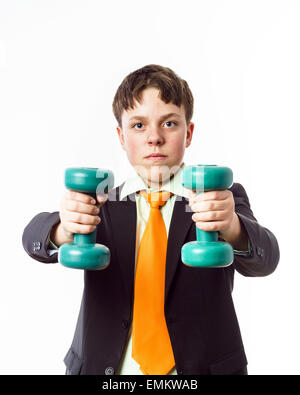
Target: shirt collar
(135, 183)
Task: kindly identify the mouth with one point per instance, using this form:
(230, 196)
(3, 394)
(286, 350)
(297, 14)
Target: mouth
(156, 156)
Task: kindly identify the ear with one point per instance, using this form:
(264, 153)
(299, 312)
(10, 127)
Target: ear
(189, 134)
(121, 137)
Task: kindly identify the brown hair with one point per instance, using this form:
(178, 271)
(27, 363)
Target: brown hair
(172, 89)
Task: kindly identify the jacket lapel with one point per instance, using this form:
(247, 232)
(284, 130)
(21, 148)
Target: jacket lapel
(123, 220)
(180, 224)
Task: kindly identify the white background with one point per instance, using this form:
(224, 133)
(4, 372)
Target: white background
(60, 65)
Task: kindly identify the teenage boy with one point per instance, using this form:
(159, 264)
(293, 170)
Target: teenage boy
(147, 312)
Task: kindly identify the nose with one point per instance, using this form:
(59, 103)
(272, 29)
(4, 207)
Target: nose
(155, 137)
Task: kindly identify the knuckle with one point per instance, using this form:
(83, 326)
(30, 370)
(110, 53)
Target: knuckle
(80, 196)
(213, 227)
(70, 205)
(97, 220)
(197, 207)
(208, 227)
(90, 219)
(211, 206)
(93, 209)
(214, 195)
(77, 228)
(82, 230)
(90, 228)
(208, 206)
(214, 215)
(74, 205)
(86, 198)
(80, 218)
(200, 225)
(77, 196)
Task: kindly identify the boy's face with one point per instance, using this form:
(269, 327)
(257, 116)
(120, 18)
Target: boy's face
(148, 130)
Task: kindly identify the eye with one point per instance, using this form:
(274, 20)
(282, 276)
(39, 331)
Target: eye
(139, 123)
(171, 122)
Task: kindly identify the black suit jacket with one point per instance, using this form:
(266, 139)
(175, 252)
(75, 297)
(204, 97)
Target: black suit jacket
(199, 310)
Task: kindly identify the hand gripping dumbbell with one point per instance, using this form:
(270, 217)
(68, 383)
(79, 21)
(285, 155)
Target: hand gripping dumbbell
(207, 251)
(84, 253)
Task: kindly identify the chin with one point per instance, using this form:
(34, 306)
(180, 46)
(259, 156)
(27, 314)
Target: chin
(157, 173)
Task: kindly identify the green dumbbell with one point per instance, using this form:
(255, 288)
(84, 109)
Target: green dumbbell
(84, 253)
(207, 251)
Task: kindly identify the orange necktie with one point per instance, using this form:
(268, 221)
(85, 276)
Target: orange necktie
(151, 345)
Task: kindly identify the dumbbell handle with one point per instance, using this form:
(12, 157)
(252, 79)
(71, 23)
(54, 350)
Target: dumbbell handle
(89, 238)
(203, 235)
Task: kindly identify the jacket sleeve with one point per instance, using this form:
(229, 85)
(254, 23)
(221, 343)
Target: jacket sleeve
(264, 255)
(36, 234)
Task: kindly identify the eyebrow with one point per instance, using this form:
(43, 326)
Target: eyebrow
(162, 118)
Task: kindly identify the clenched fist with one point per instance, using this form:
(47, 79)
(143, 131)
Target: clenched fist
(79, 213)
(215, 211)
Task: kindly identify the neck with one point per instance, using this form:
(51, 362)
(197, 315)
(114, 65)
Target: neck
(158, 184)
(155, 185)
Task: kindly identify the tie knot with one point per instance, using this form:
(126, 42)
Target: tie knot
(156, 199)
